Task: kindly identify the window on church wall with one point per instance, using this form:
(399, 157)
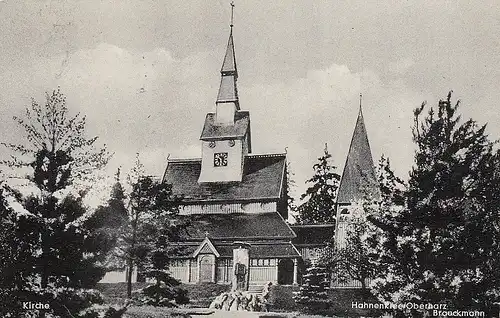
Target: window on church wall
(220, 159)
(225, 262)
(177, 262)
(262, 262)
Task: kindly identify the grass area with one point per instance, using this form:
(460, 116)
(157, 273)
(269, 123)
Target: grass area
(155, 312)
(281, 300)
(116, 293)
(200, 295)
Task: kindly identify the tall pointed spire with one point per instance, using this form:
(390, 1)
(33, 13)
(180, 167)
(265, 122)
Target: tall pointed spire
(358, 178)
(228, 92)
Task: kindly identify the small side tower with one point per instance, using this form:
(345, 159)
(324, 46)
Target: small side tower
(358, 179)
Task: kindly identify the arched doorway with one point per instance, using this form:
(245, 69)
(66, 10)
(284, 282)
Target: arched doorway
(207, 263)
(285, 272)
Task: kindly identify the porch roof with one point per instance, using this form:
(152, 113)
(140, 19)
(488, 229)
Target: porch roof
(260, 250)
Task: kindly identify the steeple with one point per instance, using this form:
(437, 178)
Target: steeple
(225, 139)
(358, 178)
(227, 99)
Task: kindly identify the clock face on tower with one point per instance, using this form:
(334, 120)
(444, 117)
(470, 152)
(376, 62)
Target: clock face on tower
(220, 159)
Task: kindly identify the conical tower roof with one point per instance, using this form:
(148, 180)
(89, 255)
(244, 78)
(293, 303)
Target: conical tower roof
(228, 91)
(229, 64)
(358, 178)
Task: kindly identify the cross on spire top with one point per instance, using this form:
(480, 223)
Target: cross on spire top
(232, 14)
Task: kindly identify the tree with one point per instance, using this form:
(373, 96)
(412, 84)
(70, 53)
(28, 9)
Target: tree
(59, 154)
(15, 257)
(290, 186)
(352, 261)
(108, 220)
(166, 290)
(313, 293)
(443, 245)
(144, 241)
(53, 222)
(320, 197)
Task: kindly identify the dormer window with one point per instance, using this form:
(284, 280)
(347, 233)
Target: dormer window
(220, 159)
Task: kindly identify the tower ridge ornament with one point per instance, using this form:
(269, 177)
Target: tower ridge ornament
(232, 15)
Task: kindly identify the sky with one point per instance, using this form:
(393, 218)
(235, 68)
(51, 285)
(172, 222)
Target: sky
(145, 73)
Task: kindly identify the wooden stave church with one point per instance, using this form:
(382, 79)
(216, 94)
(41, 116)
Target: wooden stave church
(252, 194)
(232, 197)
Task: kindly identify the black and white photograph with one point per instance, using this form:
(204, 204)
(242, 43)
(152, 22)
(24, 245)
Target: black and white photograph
(255, 159)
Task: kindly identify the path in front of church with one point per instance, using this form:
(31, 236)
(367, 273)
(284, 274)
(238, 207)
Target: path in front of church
(249, 314)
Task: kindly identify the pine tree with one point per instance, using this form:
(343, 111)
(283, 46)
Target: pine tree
(145, 238)
(320, 197)
(290, 186)
(443, 246)
(166, 290)
(108, 220)
(16, 260)
(313, 293)
(53, 223)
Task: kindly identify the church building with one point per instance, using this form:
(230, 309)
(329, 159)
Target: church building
(235, 200)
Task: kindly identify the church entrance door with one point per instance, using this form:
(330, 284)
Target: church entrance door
(207, 263)
(285, 272)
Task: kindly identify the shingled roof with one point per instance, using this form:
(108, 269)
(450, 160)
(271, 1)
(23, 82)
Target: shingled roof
(313, 234)
(263, 177)
(358, 178)
(237, 131)
(237, 226)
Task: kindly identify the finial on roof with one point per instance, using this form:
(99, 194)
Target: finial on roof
(360, 100)
(228, 91)
(232, 14)
(326, 147)
(206, 233)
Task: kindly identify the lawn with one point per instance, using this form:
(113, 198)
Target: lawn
(155, 312)
(201, 295)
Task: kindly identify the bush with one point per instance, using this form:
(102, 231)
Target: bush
(341, 302)
(116, 293)
(166, 292)
(281, 298)
(312, 296)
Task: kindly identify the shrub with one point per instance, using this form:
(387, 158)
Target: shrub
(312, 296)
(281, 298)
